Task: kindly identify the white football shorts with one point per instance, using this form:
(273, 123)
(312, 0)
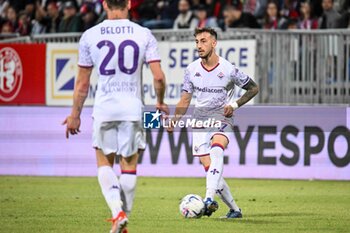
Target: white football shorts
(124, 138)
(201, 139)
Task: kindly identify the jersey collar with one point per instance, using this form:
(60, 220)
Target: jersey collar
(211, 68)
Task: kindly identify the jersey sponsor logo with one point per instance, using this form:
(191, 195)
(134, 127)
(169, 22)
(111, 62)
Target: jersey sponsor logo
(11, 74)
(209, 90)
(151, 120)
(220, 75)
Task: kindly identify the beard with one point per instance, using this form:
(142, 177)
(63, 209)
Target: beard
(206, 55)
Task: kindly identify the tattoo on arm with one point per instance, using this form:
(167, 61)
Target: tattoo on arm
(78, 102)
(81, 91)
(159, 87)
(252, 89)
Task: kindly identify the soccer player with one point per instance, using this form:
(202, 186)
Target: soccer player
(212, 79)
(117, 49)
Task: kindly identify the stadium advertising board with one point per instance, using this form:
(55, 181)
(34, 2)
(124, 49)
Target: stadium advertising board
(62, 59)
(268, 142)
(61, 71)
(22, 78)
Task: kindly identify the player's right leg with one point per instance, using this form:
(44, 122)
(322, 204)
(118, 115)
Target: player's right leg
(104, 141)
(210, 204)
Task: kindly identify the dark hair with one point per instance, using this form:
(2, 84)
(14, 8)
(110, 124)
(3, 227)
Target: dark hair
(211, 31)
(117, 4)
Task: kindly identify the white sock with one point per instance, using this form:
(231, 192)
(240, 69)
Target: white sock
(214, 173)
(224, 193)
(128, 186)
(110, 188)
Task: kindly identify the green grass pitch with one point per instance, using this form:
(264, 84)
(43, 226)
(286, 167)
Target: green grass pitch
(45, 204)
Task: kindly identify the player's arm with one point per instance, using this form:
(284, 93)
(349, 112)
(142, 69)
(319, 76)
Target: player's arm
(81, 91)
(252, 90)
(181, 109)
(159, 86)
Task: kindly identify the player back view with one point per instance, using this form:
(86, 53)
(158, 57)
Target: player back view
(116, 48)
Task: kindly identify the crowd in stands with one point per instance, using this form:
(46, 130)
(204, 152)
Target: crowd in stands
(28, 17)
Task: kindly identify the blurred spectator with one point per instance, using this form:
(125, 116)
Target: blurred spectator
(342, 6)
(316, 6)
(24, 26)
(195, 4)
(165, 11)
(307, 19)
(203, 20)
(272, 18)
(61, 3)
(29, 9)
(3, 7)
(255, 7)
(330, 18)
(46, 21)
(215, 8)
(149, 10)
(88, 14)
(50, 16)
(292, 24)
(186, 18)
(345, 18)
(71, 21)
(19, 5)
(38, 26)
(235, 18)
(7, 28)
(134, 14)
(11, 17)
(53, 19)
(290, 8)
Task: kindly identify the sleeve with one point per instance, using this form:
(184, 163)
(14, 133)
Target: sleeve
(238, 77)
(187, 85)
(84, 59)
(152, 54)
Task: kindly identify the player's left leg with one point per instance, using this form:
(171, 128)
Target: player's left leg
(214, 174)
(127, 180)
(130, 139)
(210, 204)
(226, 196)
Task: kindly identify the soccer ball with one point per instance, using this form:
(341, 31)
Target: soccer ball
(192, 206)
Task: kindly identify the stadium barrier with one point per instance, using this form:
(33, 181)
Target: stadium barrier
(291, 67)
